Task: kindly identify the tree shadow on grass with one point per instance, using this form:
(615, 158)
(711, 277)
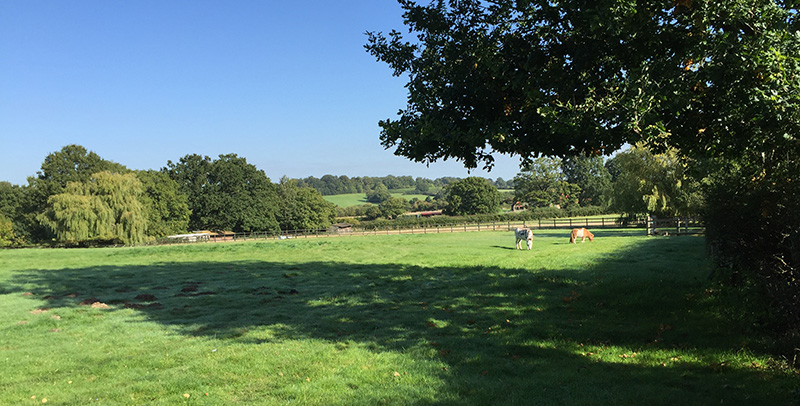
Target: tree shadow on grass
(539, 333)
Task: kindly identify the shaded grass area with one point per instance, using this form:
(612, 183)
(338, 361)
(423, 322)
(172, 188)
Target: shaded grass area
(451, 319)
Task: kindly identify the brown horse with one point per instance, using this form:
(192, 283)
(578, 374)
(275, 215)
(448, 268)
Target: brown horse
(581, 233)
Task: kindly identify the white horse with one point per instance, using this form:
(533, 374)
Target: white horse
(524, 234)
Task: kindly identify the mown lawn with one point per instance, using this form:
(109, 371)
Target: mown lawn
(442, 319)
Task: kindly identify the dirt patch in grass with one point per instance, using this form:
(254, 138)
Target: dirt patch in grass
(191, 287)
(261, 290)
(94, 303)
(196, 294)
(146, 297)
(137, 306)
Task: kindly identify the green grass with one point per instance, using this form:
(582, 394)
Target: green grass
(447, 319)
(355, 199)
(347, 200)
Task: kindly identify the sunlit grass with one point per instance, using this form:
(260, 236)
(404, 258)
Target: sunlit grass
(356, 199)
(403, 319)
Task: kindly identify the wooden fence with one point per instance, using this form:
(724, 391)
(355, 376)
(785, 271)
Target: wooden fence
(674, 226)
(562, 223)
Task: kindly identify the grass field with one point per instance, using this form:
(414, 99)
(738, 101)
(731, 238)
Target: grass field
(355, 199)
(446, 319)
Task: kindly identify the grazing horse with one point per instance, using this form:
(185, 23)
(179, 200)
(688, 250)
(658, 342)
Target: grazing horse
(524, 234)
(581, 233)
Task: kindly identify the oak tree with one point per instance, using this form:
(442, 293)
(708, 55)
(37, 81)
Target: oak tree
(226, 194)
(538, 77)
(472, 195)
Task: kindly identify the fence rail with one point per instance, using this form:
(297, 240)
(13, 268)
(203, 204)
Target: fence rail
(690, 225)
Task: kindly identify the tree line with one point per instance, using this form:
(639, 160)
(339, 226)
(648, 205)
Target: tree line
(79, 198)
(634, 182)
(338, 185)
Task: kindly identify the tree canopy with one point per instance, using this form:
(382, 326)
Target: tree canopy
(660, 184)
(303, 207)
(7, 236)
(472, 195)
(717, 80)
(379, 194)
(105, 207)
(73, 163)
(542, 183)
(537, 77)
(166, 207)
(226, 194)
(591, 176)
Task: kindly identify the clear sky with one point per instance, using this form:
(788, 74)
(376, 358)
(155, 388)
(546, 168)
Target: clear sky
(286, 84)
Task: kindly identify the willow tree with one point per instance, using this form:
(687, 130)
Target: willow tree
(7, 236)
(72, 163)
(105, 208)
(660, 184)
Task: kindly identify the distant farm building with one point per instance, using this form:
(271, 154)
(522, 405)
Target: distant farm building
(517, 206)
(419, 214)
(342, 228)
(191, 237)
(203, 235)
(223, 236)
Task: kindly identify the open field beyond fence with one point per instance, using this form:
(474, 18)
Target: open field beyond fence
(422, 319)
(593, 222)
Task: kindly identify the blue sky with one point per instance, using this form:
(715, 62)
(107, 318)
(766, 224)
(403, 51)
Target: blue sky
(286, 84)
